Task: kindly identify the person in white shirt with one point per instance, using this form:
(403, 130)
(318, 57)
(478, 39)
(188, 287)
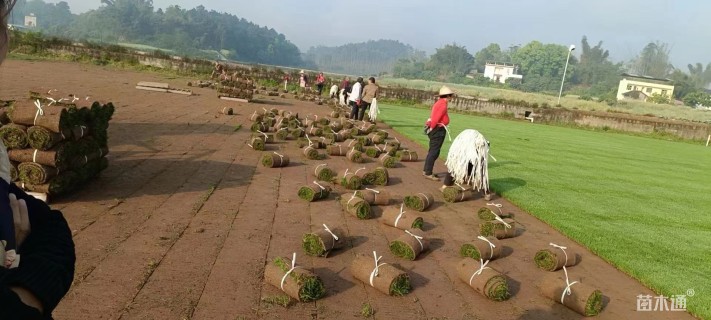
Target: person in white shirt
(354, 99)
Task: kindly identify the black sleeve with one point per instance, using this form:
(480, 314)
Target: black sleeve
(11, 307)
(47, 257)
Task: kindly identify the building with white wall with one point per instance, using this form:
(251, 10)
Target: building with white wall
(501, 72)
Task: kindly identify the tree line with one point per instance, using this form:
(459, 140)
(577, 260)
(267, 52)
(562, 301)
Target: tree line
(366, 58)
(195, 32)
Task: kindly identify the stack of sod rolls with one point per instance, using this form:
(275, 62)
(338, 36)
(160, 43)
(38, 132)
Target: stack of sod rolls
(56, 144)
(239, 88)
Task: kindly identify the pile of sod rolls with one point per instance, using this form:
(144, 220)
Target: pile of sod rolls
(237, 88)
(56, 147)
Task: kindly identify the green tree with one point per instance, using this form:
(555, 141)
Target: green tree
(451, 60)
(697, 99)
(491, 53)
(595, 73)
(542, 65)
(653, 61)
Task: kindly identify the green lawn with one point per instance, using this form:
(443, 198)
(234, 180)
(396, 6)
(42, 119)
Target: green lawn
(642, 204)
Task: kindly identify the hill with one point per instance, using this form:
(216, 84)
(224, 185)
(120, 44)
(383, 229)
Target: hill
(365, 58)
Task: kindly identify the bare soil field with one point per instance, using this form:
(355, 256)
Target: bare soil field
(182, 223)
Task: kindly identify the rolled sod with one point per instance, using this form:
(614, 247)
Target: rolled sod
(351, 181)
(346, 134)
(335, 114)
(390, 150)
(366, 128)
(408, 156)
(353, 131)
(498, 229)
(41, 138)
(14, 174)
(456, 194)
(337, 150)
(375, 197)
(372, 152)
(314, 192)
(554, 259)
(490, 283)
(300, 284)
(480, 249)
(269, 122)
(347, 124)
(382, 133)
(376, 138)
(353, 144)
(257, 144)
(311, 153)
(365, 141)
(60, 156)
(387, 161)
(282, 134)
(54, 118)
(275, 160)
(583, 299)
(266, 137)
(14, 136)
(35, 173)
(336, 126)
(322, 242)
(355, 156)
(403, 220)
(314, 131)
(394, 143)
(419, 202)
(297, 133)
(409, 245)
(378, 177)
(390, 280)
(61, 184)
(486, 214)
(357, 207)
(325, 142)
(324, 173)
(227, 111)
(259, 126)
(334, 137)
(255, 117)
(323, 121)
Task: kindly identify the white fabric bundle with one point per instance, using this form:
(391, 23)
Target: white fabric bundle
(342, 97)
(470, 146)
(373, 113)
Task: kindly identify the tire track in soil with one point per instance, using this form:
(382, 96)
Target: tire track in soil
(113, 232)
(233, 286)
(183, 270)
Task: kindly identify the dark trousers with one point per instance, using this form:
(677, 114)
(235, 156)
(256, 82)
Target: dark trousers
(319, 87)
(449, 180)
(436, 140)
(354, 110)
(363, 106)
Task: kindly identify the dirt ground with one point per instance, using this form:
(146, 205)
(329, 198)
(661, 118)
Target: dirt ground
(154, 242)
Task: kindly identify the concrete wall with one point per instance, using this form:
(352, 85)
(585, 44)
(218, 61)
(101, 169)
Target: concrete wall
(614, 121)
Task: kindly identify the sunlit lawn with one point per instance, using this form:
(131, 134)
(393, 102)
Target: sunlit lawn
(642, 204)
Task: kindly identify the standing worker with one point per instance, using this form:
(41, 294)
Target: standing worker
(354, 99)
(345, 88)
(370, 92)
(436, 130)
(320, 80)
(303, 81)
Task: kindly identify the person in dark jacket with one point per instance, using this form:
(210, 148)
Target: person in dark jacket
(37, 268)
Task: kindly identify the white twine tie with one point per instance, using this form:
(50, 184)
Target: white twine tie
(402, 206)
(356, 173)
(318, 166)
(446, 129)
(374, 273)
(51, 101)
(567, 287)
(496, 216)
(427, 199)
(293, 266)
(352, 197)
(281, 158)
(418, 238)
(320, 186)
(325, 227)
(34, 156)
(481, 269)
(561, 248)
(491, 245)
(265, 135)
(40, 111)
(497, 205)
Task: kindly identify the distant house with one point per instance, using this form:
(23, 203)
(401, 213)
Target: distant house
(636, 87)
(31, 21)
(500, 72)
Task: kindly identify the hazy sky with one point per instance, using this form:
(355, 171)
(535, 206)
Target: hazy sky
(624, 26)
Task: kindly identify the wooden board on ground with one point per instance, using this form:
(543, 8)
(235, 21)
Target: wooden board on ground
(188, 93)
(151, 89)
(160, 85)
(234, 99)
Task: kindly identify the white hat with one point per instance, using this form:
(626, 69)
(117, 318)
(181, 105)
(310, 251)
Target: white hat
(445, 91)
(302, 71)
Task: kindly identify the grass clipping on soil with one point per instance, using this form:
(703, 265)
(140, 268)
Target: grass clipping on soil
(419, 202)
(487, 281)
(583, 299)
(314, 193)
(300, 284)
(320, 243)
(389, 280)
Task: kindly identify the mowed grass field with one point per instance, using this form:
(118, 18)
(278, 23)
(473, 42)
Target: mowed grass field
(642, 204)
